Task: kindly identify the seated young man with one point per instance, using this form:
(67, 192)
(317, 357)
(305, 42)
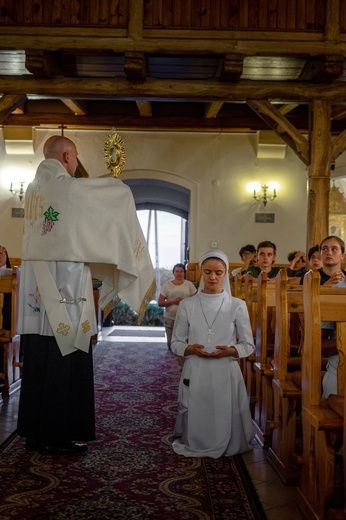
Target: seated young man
(314, 257)
(297, 260)
(266, 256)
(248, 257)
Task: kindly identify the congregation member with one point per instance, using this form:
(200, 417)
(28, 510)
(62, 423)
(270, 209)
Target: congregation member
(248, 257)
(266, 257)
(332, 250)
(172, 293)
(212, 331)
(314, 257)
(315, 262)
(73, 229)
(6, 309)
(297, 266)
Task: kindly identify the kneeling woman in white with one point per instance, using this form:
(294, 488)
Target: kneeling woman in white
(212, 331)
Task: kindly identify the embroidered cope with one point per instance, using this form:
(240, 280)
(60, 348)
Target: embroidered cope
(89, 225)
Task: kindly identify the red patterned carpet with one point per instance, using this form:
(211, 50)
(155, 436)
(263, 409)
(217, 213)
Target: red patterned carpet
(130, 471)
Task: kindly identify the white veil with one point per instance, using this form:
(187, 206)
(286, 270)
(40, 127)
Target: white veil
(216, 253)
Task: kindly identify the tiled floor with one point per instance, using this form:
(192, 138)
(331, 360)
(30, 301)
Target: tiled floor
(8, 416)
(278, 500)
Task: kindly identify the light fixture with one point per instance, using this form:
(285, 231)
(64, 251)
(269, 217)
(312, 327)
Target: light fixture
(268, 191)
(19, 191)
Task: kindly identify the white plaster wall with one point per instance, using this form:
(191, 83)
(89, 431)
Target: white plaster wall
(215, 167)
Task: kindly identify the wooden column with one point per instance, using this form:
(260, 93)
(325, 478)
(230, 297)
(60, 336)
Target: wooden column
(319, 172)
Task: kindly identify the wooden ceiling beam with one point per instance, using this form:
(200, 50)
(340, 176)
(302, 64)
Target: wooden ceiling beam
(323, 69)
(127, 122)
(135, 65)
(144, 108)
(288, 107)
(79, 108)
(338, 146)
(282, 127)
(42, 64)
(247, 43)
(9, 103)
(232, 67)
(339, 112)
(212, 109)
(158, 89)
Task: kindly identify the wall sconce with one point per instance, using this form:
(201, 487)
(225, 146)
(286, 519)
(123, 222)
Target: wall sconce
(264, 192)
(19, 191)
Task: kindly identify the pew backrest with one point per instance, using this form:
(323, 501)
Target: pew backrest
(289, 300)
(321, 303)
(266, 301)
(8, 285)
(250, 297)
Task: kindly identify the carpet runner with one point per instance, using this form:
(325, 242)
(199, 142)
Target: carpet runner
(130, 471)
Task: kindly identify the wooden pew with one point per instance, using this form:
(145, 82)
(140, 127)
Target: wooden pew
(9, 340)
(250, 296)
(238, 287)
(238, 291)
(193, 273)
(322, 426)
(263, 409)
(15, 262)
(287, 394)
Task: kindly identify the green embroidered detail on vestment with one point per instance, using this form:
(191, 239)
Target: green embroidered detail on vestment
(50, 216)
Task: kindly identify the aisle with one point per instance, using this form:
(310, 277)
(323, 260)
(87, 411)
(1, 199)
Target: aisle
(128, 404)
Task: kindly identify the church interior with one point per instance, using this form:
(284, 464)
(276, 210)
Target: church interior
(230, 114)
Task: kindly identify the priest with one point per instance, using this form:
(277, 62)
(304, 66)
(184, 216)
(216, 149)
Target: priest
(74, 229)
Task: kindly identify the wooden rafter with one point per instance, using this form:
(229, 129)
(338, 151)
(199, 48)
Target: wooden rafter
(9, 103)
(212, 109)
(339, 112)
(144, 108)
(288, 107)
(282, 127)
(79, 108)
(338, 146)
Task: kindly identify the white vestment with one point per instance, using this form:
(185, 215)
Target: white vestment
(74, 226)
(214, 416)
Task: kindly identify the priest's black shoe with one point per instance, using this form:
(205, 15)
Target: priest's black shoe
(67, 448)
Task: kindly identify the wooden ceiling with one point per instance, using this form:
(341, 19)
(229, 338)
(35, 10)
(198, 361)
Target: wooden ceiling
(185, 65)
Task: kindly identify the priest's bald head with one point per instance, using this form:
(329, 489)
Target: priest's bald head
(63, 150)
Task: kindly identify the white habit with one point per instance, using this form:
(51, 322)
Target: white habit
(213, 410)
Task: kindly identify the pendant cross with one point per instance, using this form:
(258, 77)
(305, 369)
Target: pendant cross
(209, 334)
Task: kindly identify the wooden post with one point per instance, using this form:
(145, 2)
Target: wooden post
(319, 172)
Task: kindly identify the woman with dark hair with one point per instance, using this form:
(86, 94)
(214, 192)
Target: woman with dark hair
(212, 331)
(6, 310)
(171, 295)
